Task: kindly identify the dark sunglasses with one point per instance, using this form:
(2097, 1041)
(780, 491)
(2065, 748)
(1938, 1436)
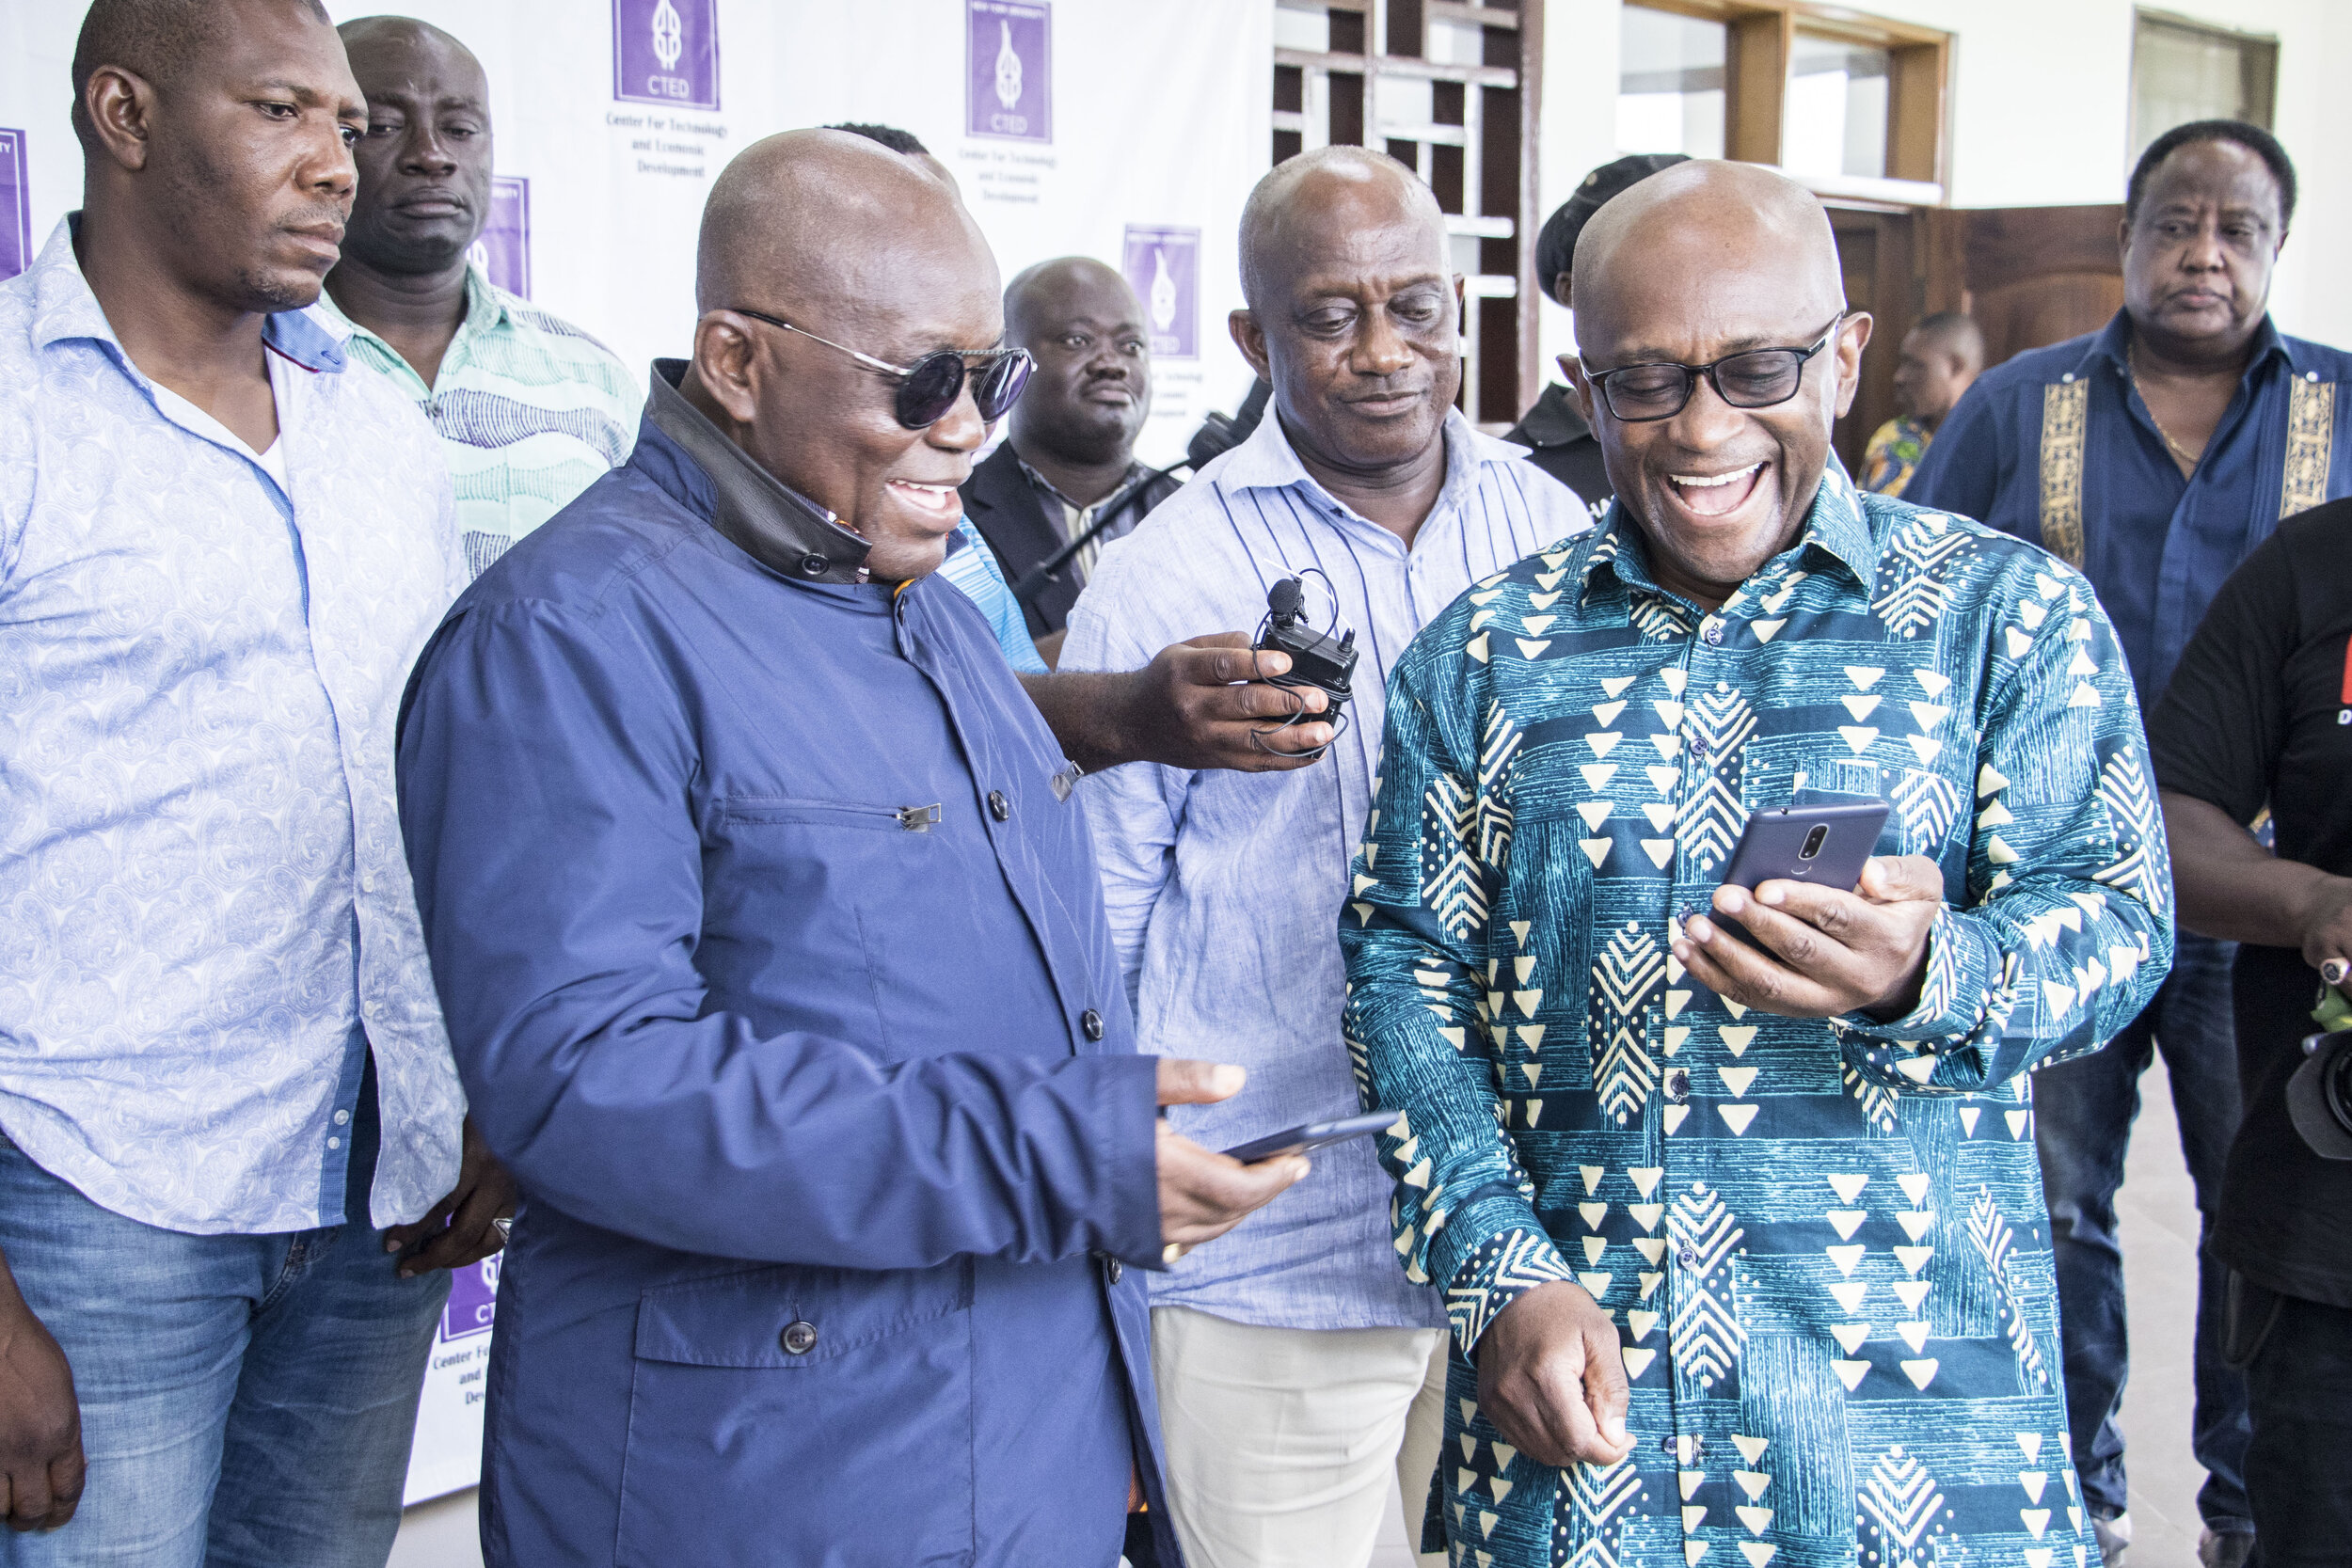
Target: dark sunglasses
(928, 387)
(1760, 378)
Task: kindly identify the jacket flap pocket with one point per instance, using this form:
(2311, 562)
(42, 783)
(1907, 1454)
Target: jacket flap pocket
(792, 1315)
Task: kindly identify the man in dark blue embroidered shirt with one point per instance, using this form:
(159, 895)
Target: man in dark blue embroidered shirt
(2156, 454)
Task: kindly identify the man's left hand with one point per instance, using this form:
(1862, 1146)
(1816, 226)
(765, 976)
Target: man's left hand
(462, 1228)
(1830, 953)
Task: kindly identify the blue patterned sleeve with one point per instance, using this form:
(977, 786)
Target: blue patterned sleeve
(2063, 929)
(1414, 935)
(974, 570)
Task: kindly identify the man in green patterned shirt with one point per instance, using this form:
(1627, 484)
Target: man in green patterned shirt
(530, 411)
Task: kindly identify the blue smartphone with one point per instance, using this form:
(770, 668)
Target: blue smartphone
(1313, 1134)
(1825, 845)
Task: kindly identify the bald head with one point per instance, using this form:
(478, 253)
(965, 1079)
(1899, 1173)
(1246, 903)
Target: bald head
(1319, 204)
(1039, 295)
(376, 41)
(1731, 225)
(829, 222)
(156, 39)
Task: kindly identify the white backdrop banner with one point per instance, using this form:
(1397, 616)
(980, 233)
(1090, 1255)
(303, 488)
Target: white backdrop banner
(1127, 130)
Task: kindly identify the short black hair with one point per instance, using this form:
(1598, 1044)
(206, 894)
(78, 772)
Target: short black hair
(155, 38)
(1555, 247)
(889, 135)
(2252, 137)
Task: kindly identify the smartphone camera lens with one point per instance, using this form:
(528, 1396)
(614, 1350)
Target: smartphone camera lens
(1813, 841)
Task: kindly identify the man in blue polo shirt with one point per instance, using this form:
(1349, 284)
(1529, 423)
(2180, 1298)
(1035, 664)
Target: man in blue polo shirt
(2156, 454)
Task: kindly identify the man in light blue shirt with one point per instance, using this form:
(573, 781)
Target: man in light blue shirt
(225, 1086)
(1290, 1356)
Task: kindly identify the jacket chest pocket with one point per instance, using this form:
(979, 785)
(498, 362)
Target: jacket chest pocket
(835, 1405)
(793, 894)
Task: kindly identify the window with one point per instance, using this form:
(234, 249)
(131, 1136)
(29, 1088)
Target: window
(2184, 70)
(1835, 121)
(1670, 83)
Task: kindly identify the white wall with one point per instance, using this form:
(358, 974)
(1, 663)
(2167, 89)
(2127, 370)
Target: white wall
(2041, 114)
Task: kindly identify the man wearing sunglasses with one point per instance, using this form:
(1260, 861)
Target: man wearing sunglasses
(1743, 1245)
(772, 947)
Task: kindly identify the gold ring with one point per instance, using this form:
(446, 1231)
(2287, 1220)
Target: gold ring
(1170, 1253)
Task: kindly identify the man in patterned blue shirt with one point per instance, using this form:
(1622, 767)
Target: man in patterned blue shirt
(1744, 1249)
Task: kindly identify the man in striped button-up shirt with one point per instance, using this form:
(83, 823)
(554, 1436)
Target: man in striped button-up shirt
(1290, 1356)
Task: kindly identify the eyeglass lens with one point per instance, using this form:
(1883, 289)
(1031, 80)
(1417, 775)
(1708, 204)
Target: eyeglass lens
(934, 382)
(1756, 380)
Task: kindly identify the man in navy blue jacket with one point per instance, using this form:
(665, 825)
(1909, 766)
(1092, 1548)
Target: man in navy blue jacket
(772, 950)
(2155, 454)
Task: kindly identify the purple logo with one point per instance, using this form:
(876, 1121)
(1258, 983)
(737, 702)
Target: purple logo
(473, 1299)
(1009, 69)
(666, 52)
(503, 248)
(16, 206)
(1164, 267)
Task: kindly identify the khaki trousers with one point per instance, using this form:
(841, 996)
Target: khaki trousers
(1283, 1443)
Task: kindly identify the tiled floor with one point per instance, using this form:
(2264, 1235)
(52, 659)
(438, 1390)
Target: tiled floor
(2160, 1254)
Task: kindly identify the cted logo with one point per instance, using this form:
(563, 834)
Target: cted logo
(1163, 265)
(666, 52)
(1009, 77)
(473, 1299)
(16, 207)
(504, 248)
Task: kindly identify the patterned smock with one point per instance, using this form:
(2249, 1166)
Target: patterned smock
(1823, 1243)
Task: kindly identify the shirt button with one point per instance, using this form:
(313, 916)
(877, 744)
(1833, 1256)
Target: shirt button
(998, 807)
(367, 883)
(1688, 1259)
(1699, 745)
(816, 566)
(334, 1142)
(342, 1117)
(1715, 636)
(798, 1337)
(1678, 1084)
(1091, 1021)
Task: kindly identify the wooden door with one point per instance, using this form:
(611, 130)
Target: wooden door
(2030, 275)
(1877, 251)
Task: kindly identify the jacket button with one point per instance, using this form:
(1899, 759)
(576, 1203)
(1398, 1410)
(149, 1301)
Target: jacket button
(1091, 1021)
(798, 1337)
(1113, 1270)
(998, 807)
(815, 565)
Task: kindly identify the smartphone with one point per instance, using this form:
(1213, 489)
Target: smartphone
(1825, 845)
(1313, 1134)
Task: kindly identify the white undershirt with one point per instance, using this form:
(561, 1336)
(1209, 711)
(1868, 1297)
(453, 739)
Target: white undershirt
(273, 462)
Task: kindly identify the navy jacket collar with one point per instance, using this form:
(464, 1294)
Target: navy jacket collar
(764, 518)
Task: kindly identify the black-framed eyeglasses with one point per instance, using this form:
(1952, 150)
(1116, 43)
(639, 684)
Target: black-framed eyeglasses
(928, 387)
(1758, 378)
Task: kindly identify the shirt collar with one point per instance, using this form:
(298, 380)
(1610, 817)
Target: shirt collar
(64, 310)
(764, 518)
(1835, 526)
(2114, 342)
(1128, 482)
(1267, 461)
(485, 309)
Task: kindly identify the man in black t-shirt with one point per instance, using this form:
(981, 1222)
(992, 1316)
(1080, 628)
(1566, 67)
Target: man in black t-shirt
(2259, 713)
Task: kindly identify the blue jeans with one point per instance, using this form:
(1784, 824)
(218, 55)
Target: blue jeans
(2083, 1114)
(246, 1401)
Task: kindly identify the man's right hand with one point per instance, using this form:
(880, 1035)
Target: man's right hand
(40, 1422)
(1552, 1378)
(1202, 1194)
(1202, 704)
(2327, 928)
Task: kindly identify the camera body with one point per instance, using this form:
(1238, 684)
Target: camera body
(1317, 658)
(2319, 1096)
